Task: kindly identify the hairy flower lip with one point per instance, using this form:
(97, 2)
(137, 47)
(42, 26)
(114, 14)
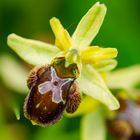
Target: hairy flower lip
(31, 106)
(34, 102)
(74, 98)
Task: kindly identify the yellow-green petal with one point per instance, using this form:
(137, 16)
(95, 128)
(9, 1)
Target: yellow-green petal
(125, 78)
(32, 51)
(94, 54)
(63, 39)
(92, 84)
(105, 65)
(89, 26)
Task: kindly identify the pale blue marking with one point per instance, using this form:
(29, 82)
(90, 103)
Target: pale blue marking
(56, 89)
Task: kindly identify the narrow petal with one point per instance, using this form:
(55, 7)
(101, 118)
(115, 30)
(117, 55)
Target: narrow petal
(33, 52)
(96, 54)
(89, 26)
(63, 39)
(93, 85)
(105, 65)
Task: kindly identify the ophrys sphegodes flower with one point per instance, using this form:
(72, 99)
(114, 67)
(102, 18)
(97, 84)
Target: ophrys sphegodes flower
(51, 92)
(84, 61)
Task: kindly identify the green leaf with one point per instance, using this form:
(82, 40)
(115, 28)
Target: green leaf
(15, 107)
(93, 126)
(89, 26)
(13, 104)
(92, 84)
(125, 78)
(13, 74)
(33, 52)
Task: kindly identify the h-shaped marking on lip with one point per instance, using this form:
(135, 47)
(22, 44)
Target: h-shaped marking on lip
(55, 85)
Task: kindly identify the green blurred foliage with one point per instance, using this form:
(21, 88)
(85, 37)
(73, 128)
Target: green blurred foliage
(30, 18)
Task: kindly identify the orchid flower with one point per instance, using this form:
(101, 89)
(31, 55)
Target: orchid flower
(76, 49)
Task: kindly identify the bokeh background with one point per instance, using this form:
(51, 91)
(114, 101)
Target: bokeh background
(30, 19)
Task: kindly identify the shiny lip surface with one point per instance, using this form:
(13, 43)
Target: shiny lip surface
(39, 108)
(55, 85)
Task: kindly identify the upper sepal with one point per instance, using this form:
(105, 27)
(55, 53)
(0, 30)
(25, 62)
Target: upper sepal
(89, 26)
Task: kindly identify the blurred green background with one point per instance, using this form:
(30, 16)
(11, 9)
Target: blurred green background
(30, 19)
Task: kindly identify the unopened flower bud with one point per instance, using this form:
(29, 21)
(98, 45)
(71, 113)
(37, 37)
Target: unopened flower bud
(120, 129)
